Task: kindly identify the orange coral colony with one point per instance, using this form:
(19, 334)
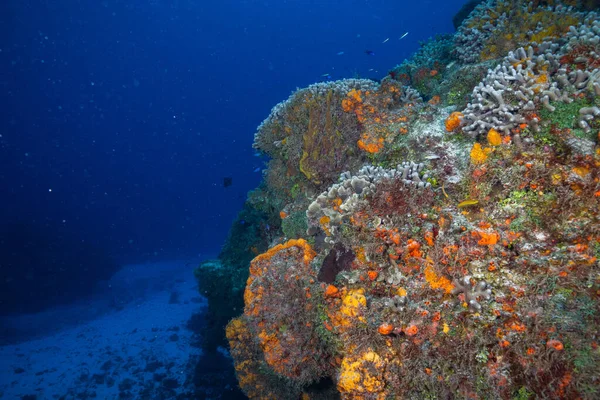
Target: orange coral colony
(302, 244)
(453, 121)
(385, 329)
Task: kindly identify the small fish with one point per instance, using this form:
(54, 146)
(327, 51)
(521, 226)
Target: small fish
(403, 36)
(369, 52)
(340, 53)
(227, 181)
(326, 76)
(385, 40)
(257, 169)
(468, 203)
(257, 154)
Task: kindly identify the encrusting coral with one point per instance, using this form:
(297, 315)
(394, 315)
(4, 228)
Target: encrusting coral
(442, 252)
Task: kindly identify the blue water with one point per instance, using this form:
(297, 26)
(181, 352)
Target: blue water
(120, 119)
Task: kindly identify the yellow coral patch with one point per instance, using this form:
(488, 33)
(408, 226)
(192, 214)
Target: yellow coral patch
(362, 374)
(494, 138)
(360, 255)
(349, 378)
(437, 282)
(541, 79)
(324, 221)
(556, 179)
(581, 171)
(352, 301)
(478, 154)
(235, 328)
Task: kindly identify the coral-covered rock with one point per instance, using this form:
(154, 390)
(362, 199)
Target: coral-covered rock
(362, 375)
(496, 27)
(384, 113)
(461, 260)
(249, 367)
(281, 313)
(310, 130)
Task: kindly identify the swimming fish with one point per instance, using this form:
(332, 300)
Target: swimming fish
(385, 40)
(403, 36)
(468, 203)
(227, 181)
(369, 52)
(257, 169)
(341, 53)
(326, 76)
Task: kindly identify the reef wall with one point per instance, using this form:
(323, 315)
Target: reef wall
(434, 235)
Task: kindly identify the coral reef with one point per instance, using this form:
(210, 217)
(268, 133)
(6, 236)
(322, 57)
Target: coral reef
(249, 366)
(425, 69)
(383, 113)
(491, 30)
(464, 12)
(509, 95)
(309, 131)
(222, 281)
(448, 248)
(277, 292)
(333, 207)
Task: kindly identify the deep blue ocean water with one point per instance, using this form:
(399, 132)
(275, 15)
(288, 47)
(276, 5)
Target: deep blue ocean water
(121, 118)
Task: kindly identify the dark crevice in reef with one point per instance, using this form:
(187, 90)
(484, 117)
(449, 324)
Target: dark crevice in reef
(339, 259)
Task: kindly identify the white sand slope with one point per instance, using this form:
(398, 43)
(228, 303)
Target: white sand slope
(137, 346)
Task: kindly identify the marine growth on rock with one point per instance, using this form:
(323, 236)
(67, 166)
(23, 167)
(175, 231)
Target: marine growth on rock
(436, 250)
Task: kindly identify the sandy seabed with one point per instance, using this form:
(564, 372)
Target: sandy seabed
(130, 342)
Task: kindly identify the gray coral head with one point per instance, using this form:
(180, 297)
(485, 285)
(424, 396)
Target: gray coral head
(474, 292)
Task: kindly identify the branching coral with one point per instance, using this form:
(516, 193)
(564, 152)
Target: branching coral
(473, 293)
(510, 95)
(342, 199)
